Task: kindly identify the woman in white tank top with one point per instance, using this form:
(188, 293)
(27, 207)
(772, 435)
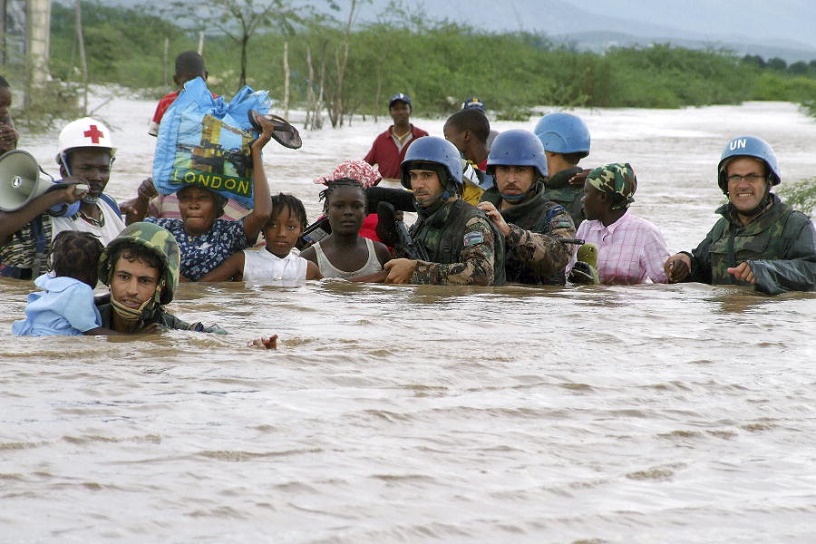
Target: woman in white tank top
(344, 253)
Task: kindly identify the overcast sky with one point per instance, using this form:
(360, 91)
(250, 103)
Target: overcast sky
(777, 21)
(790, 23)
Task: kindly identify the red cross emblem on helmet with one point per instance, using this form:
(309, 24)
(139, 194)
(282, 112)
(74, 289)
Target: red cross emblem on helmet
(85, 132)
(94, 134)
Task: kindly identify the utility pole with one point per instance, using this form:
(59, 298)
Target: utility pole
(3, 33)
(38, 27)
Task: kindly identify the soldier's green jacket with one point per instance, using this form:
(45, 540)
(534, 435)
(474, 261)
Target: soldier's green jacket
(533, 253)
(779, 246)
(558, 189)
(462, 246)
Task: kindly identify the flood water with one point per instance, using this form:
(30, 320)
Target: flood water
(590, 414)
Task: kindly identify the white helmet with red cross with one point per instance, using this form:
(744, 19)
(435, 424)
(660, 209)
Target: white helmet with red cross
(85, 132)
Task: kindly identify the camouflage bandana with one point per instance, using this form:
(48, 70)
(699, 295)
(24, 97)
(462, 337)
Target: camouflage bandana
(615, 179)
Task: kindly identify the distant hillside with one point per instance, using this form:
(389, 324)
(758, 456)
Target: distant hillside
(782, 28)
(596, 42)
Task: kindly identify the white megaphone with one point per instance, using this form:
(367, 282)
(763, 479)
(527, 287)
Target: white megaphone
(21, 180)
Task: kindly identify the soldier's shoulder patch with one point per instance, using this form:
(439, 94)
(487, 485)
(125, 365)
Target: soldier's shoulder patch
(473, 238)
(560, 224)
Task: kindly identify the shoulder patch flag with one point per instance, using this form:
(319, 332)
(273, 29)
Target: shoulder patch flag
(473, 238)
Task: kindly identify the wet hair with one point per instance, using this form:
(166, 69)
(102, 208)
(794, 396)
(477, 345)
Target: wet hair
(135, 251)
(190, 64)
(472, 119)
(333, 185)
(4, 84)
(282, 202)
(76, 255)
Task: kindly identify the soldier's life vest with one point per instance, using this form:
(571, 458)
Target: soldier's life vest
(442, 235)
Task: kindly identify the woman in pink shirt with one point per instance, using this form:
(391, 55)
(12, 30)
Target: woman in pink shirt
(630, 249)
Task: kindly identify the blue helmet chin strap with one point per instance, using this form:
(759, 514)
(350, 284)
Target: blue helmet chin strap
(514, 199)
(440, 198)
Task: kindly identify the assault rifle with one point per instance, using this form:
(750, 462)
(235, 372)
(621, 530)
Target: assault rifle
(395, 234)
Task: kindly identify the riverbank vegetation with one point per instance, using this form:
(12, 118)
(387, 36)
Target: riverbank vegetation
(437, 63)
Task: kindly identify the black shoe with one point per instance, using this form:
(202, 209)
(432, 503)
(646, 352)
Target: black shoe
(283, 132)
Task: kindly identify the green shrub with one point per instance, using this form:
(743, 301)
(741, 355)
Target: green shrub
(801, 195)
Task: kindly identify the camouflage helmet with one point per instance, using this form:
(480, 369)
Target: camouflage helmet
(158, 240)
(617, 180)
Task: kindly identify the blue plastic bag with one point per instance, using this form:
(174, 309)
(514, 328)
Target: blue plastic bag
(205, 141)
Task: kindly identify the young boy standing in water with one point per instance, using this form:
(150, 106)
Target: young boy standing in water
(189, 65)
(275, 264)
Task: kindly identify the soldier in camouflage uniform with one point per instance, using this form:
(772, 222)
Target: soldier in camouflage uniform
(533, 227)
(457, 243)
(566, 141)
(141, 266)
(759, 240)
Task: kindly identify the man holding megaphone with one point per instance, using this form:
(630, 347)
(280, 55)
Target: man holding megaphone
(31, 214)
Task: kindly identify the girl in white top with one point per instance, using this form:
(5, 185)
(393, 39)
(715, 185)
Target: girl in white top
(275, 264)
(344, 253)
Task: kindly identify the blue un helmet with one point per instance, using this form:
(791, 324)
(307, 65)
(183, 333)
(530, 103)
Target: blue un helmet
(432, 149)
(517, 147)
(747, 146)
(563, 133)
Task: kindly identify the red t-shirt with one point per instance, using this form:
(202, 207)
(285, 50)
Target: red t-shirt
(387, 156)
(161, 108)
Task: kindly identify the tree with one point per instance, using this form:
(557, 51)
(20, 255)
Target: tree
(799, 68)
(755, 60)
(777, 64)
(337, 106)
(240, 20)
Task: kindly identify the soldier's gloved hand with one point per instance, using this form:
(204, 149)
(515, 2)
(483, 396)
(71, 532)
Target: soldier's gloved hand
(583, 273)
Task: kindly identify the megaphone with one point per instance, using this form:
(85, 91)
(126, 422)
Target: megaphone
(21, 180)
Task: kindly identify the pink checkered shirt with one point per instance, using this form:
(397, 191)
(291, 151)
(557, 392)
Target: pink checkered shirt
(631, 250)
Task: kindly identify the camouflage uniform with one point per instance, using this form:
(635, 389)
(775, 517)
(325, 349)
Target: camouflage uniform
(534, 255)
(462, 247)
(779, 245)
(558, 189)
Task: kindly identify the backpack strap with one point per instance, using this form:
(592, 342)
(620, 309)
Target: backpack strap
(112, 203)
